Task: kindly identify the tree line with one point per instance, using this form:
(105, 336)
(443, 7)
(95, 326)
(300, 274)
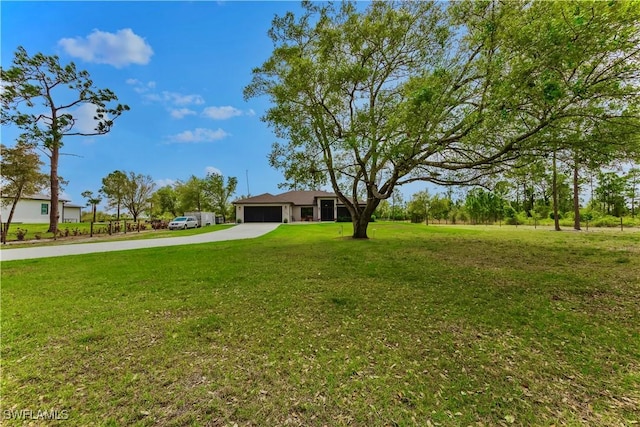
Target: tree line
(137, 194)
(611, 195)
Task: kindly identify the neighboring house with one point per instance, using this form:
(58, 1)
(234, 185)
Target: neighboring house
(35, 210)
(291, 207)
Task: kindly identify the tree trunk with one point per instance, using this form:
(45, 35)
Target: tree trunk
(576, 198)
(55, 188)
(94, 213)
(360, 224)
(5, 229)
(556, 219)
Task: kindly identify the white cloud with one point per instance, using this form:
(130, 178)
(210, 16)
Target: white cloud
(212, 170)
(141, 87)
(175, 98)
(119, 49)
(198, 135)
(164, 182)
(84, 117)
(180, 99)
(181, 113)
(221, 113)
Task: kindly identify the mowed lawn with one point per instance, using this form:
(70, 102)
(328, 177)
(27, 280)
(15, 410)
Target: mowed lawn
(416, 326)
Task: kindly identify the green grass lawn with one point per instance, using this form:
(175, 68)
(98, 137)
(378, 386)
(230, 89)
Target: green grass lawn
(417, 326)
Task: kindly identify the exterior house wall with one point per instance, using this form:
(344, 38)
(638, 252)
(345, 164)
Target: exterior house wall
(72, 213)
(31, 211)
(287, 212)
(316, 205)
(297, 213)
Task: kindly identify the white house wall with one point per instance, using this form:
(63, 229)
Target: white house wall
(28, 211)
(72, 214)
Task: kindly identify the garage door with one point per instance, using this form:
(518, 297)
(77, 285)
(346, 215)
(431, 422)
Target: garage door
(262, 214)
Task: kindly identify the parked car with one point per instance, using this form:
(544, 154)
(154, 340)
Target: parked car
(183, 222)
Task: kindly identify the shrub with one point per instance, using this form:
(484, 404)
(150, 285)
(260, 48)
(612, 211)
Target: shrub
(286, 220)
(606, 221)
(239, 221)
(20, 233)
(513, 221)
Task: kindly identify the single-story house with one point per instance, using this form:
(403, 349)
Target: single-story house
(291, 206)
(35, 210)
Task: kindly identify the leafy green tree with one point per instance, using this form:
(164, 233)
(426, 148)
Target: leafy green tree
(219, 193)
(19, 175)
(165, 199)
(484, 206)
(423, 91)
(633, 188)
(191, 195)
(114, 187)
(383, 211)
(398, 212)
(418, 207)
(137, 193)
(93, 201)
(39, 97)
(440, 207)
(610, 193)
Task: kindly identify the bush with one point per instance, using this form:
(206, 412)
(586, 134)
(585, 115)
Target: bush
(614, 221)
(239, 221)
(286, 220)
(551, 216)
(20, 233)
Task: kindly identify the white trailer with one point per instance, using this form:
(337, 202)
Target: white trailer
(204, 218)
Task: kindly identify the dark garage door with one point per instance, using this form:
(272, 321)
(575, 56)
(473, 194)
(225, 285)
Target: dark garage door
(262, 214)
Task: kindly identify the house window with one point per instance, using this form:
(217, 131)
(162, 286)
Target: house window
(44, 209)
(306, 213)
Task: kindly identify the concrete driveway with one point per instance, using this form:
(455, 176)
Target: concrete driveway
(241, 231)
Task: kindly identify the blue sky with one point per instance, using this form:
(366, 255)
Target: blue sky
(180, 66)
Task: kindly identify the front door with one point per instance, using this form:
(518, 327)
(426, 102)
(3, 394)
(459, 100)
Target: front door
(326, 210)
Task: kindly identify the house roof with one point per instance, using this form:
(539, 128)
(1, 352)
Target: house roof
(260, 199)
(298, 198)
(40, 197)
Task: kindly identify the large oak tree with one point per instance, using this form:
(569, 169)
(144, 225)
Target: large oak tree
(444, 93)
(39, 96)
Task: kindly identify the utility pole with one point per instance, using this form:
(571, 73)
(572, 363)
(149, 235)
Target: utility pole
(248, 192)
